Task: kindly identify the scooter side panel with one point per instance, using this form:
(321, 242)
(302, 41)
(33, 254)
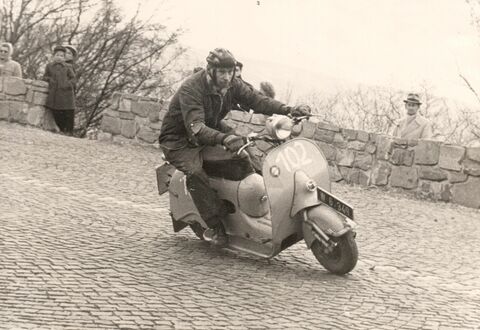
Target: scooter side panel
(279, 168)
(181, 203)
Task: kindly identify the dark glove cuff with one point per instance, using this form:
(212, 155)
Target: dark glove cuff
(220, 137)
(285, 110)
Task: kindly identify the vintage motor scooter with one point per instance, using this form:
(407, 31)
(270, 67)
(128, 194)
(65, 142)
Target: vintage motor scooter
(289, 201)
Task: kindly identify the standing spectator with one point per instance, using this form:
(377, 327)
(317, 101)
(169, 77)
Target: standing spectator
(61, 95)
(267, 89)
(8, 67)
(413, 126)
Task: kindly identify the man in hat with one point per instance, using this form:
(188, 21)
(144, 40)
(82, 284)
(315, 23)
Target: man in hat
(413, 126)
(193, 138)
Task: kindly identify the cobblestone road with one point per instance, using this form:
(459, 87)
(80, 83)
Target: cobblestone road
(86, 243)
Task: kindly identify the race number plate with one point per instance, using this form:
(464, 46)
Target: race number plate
(335, 203)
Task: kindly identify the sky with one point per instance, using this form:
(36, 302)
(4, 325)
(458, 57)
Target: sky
(323, 44)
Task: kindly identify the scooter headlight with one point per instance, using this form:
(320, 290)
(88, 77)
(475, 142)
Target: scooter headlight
(279, 127)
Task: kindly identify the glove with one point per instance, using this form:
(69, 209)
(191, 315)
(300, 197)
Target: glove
(233, 142)
(301, 110)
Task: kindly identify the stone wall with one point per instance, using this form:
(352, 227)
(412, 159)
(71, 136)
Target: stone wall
(428, 169)
(23, 101)
(133, 117)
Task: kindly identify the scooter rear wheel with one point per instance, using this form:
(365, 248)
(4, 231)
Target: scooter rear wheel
(198, 230)
(342, 259)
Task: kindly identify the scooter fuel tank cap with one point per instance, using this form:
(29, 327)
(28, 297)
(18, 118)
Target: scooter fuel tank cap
(275, 171)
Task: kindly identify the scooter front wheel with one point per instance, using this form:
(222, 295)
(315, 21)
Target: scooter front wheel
(342, 259)
(198, 230)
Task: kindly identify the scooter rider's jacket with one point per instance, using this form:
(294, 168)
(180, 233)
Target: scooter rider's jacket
(195, 111)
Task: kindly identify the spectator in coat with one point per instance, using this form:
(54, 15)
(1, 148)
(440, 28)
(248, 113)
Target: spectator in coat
(413, 126)
(61, 96)
(8, 67)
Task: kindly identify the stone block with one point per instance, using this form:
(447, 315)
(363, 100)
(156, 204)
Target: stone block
(35, 115)
(474, 154)
(14, 86)
(345, 172)
(328, 150)
(308, 129)
(39, 98)
(362, 136)
(356, 145)
(363, 161)
(403, 143)
(4, 110)
(359, 177)
(339, 141)
(329, 127)
(404, 177)
(104, 136)
(370, 148)
(412, 142)
(324, 135)
(126, 115)
(153, 115)
(402, 157)
(18, 112)
(384, 147)
(467, 193)
(110, 125)
(148, 135)
(258, 119)
(432, 173)
(380, 174)
(143, 109)
(125, 105)
(115, 100)
(334, 173)
(162, 114)
(128, 128)
(349, 134)
(241, 116)
(427, 152)
(435, 190)
(111, 113)
(29, 96)
(155, 126)
(450, 157)
(471, 167)
(456, 177)
(345, 157)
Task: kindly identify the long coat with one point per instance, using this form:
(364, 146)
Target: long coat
(418, 128)
(61, 86)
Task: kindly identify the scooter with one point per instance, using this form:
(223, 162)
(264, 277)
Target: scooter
(288, 201)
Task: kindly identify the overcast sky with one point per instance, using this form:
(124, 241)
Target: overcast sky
(398, 43)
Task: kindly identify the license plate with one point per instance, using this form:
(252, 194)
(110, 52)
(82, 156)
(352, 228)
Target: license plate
(335, 203)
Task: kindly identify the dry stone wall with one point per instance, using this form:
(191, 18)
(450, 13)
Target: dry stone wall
(23, 101)
(428, 169)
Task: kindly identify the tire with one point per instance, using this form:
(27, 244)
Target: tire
(198, 230)
(342, 259)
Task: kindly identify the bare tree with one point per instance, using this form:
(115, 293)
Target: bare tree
(115, 54)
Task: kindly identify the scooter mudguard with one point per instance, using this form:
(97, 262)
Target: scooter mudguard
(279, 170)
(328, 220)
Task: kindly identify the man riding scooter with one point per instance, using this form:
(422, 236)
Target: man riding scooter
(193, 134)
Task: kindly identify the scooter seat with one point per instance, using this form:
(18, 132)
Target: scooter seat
(235, 169)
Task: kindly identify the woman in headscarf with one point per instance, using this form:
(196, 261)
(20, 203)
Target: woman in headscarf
(8, 67)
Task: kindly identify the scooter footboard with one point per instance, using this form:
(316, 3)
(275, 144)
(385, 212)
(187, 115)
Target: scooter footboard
(327, 220)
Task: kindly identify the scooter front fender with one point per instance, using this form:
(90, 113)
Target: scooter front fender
(327, 220)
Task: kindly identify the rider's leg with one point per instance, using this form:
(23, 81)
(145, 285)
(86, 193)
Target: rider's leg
(210, 207)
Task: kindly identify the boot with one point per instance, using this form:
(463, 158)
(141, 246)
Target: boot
(216, 235)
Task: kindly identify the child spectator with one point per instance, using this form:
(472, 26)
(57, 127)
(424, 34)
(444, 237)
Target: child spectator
(61, 95)
(8, 67)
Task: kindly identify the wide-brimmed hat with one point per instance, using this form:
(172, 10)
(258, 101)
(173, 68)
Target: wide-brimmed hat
(413, 98)
(72, 49)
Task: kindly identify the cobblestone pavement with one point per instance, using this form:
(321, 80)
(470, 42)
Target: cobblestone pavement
(86, 243)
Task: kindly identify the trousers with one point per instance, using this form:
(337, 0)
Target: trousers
(64, 120)
(195, 162)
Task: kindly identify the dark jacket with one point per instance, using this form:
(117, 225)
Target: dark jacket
(237, 104)
(61, 82)
(196, 101)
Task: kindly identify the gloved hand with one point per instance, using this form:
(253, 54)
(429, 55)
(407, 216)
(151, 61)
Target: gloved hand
(233, 142)
(301, 110)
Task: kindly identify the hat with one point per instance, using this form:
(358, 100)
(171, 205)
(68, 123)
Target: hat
(72, 49)
(58, 49)
(413, 98)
